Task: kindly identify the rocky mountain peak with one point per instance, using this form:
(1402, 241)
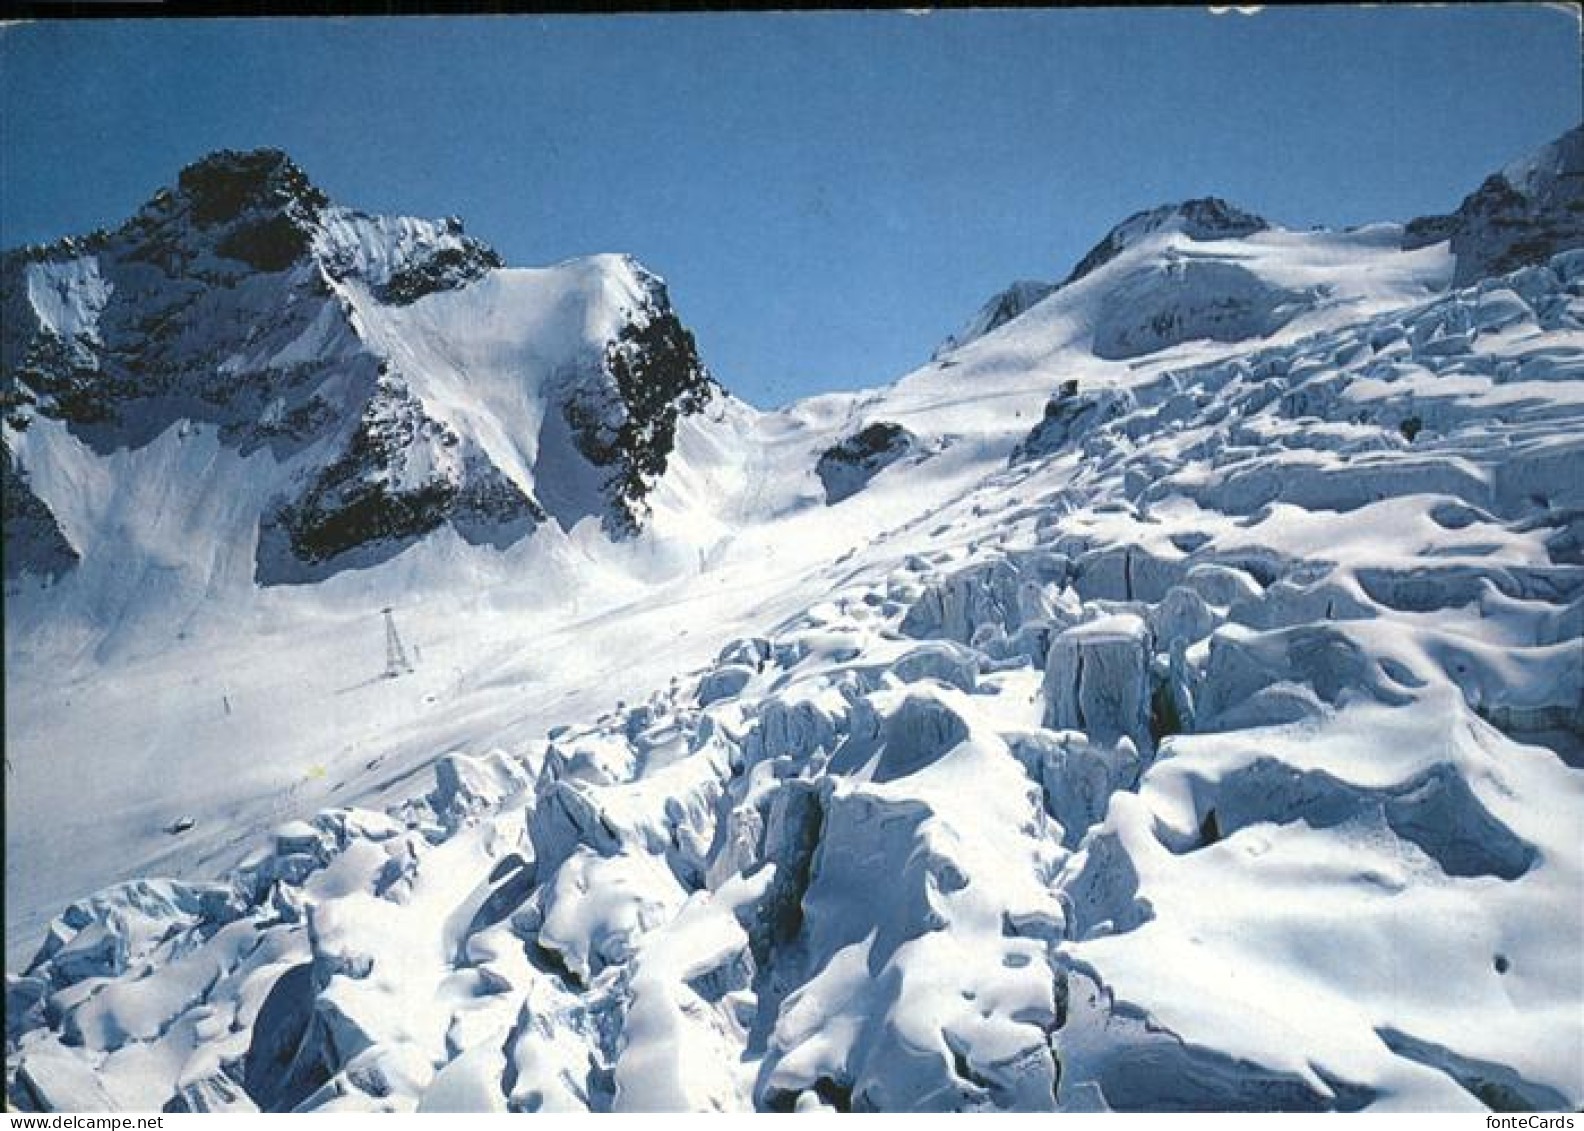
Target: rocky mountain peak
(1203, 219)
(231, 211)
(225, 184)
(241, 298)
(1523, 214)
(236, 213)
(1231, 302)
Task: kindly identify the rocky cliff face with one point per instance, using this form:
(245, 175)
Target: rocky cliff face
(34, 543)
(402, 475)
(1524, 214)
(624, 418)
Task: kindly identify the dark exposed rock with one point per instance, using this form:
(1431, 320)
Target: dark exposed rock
(848, 466)
(34, 543)
(363, 502)
(490, 509)
(625, 418)
(56, 378)
(225, 184)
(342, 514)
(1426, 230)
(270, 244)
(255, 208)
(445, 269)
(1069, 415)
(1524, 214)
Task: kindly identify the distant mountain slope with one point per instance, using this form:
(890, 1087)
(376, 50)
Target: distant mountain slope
(997, 311)
(1201, 270)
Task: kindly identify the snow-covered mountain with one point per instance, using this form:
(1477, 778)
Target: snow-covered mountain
(1171, 696)
(1201, 269)
(242, 300)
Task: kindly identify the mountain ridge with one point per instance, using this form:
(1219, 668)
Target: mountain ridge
(248, 291)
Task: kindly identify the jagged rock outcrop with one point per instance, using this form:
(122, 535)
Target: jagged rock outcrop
(34, 542)
(1522, 215)
(402, 475)
(442, 269)
(1068, 415)
(846, 467)
(624, 417)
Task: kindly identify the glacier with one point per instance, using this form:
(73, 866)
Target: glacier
(1169, 697)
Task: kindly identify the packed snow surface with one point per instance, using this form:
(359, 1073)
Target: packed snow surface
(1189, 715)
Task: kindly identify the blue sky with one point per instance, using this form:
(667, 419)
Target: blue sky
(828, 194)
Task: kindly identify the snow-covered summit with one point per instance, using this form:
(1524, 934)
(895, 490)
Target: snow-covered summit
(242, 300)
(1146, 233)
(1195, 269)
(1204, 220)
